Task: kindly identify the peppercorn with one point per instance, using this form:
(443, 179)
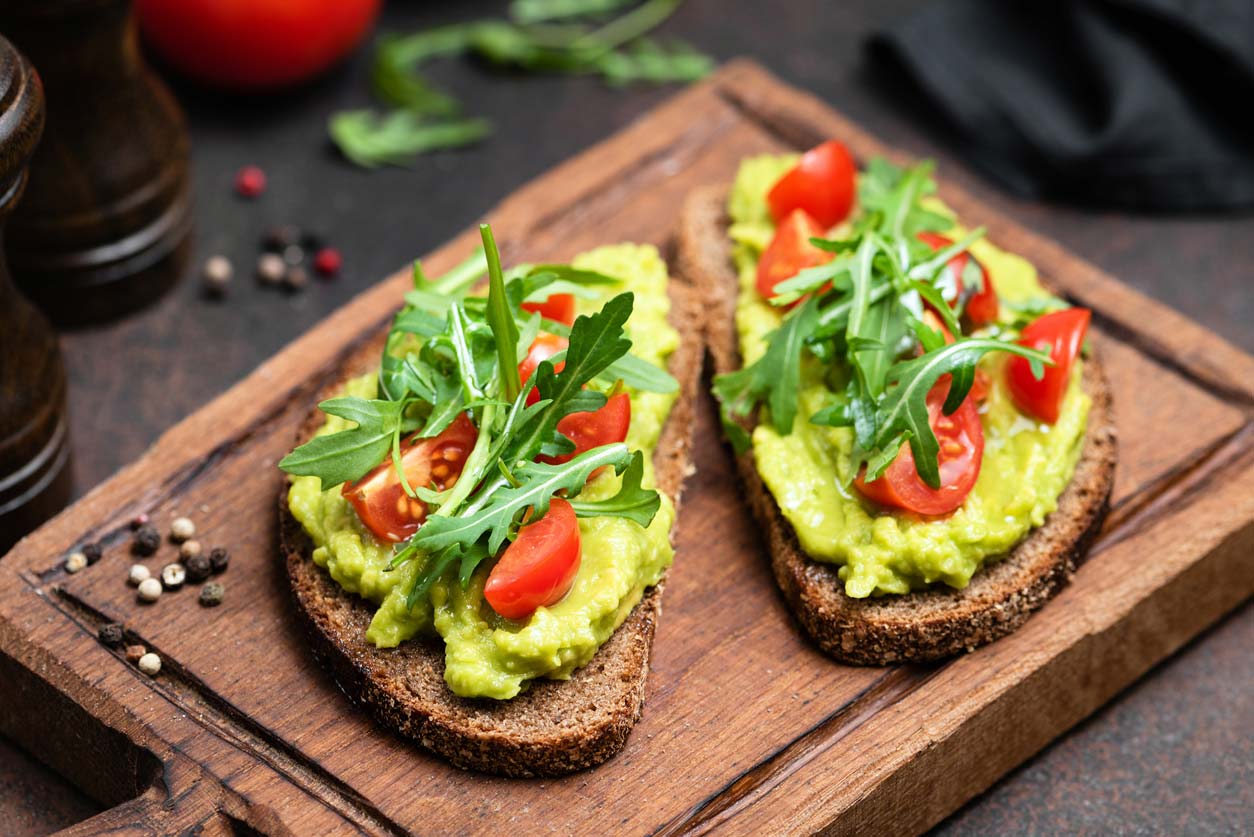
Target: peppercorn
(150, 664)
(149, 590)
(92, 552)
(198, 568)
(134, 652)
(146, 541)
(250, 181)
(219, 559)
(312, 240)
(279, 237)
(173, 576)
(189, 549)
(75, 561)
(296, 278)
(293, 254)
(138, 574)
(216, 274)
(111, 634)
(211, 594)
(270, 268)
(181, 529)
(138, 520)
(328, 261)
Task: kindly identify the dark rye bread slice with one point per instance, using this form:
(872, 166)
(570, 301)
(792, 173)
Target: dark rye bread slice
(925, 625)
(555, 726)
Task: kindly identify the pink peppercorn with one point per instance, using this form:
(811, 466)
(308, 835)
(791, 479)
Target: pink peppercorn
(250, 181)
(328, 261)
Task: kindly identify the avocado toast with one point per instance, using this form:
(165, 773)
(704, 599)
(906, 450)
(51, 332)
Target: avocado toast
(473, 690)
(903, 607)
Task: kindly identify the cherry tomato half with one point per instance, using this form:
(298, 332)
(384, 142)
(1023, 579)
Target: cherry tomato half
(255, 44)
(790, 251)
(982, 385)
(822, 183)
(379, 497)
(591, 430)
(961, 453)
(542, 348)
(558, 307)
(982, 306)
(1061, 333)
(539, 567)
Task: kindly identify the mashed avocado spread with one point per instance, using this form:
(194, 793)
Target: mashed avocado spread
(485, 654)
(1026, 464)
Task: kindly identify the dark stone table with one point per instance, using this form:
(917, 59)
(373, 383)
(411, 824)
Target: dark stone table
(1174, 754)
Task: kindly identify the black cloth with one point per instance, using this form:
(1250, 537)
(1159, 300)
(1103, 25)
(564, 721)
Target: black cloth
(1142, 104)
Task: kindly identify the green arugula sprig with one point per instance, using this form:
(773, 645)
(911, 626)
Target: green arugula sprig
(552, 36)
(863, 318)
(449, 354)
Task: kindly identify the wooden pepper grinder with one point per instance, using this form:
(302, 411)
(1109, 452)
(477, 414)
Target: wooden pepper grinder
(106, 220)
(34, 450)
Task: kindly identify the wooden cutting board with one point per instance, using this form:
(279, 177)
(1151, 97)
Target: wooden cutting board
(746, 727)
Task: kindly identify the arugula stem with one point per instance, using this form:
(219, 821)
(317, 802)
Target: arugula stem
(501, 319)
(626, 28)
(475, 464)
(460, 279)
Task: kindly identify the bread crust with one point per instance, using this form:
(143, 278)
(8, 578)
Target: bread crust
(925, 625)
(552, 728)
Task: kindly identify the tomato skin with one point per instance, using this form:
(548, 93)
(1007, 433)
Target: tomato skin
(790, 251)
(982, 385)
(254, 44)
(822, 183)
(558, 307)
(961, 440)
(982, 307)
(1061, 333)
(539, 567)
(380, 499)
(542, 348)
(591, 430)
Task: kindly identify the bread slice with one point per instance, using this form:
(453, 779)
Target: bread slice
(925, 625)
(555, 726)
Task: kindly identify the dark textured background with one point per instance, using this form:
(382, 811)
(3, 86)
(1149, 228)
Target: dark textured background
(1173, 754)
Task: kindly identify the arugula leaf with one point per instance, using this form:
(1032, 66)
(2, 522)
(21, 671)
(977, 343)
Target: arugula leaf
(633, 371)
(538, 482)
(904, 407)
(349, 454)
(632, 502)
(501, 318)
(542, 11)
(370, 139)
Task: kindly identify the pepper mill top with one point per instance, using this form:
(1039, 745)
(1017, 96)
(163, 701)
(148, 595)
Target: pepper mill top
(21, 122)
(35, 476)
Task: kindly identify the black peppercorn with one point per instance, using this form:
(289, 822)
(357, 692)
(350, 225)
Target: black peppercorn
(111, 634)
(92, 552)
(198, 567)
(219, 558)
(279, 238)
(312, 240)
(147, 540)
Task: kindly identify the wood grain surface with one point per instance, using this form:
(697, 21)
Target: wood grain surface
(746, 727)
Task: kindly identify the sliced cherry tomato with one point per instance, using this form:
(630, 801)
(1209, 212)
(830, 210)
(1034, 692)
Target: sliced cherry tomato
(790, 251)
(379, 497)
(542, 348)
(1061, 333)
(538, 568)
(961, 453)
(558, 307)
(822, 183)
(591, 430)
(982, 306)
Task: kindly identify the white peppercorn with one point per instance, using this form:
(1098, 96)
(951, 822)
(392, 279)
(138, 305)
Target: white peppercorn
(182, 529)
(189, 549)
(270, 268)
(138, 574)
(149, 590)
(150, 664)
(216, 274)
(75, 561)
(173, 576)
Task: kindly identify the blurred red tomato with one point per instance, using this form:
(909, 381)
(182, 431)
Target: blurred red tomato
(255, 44)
